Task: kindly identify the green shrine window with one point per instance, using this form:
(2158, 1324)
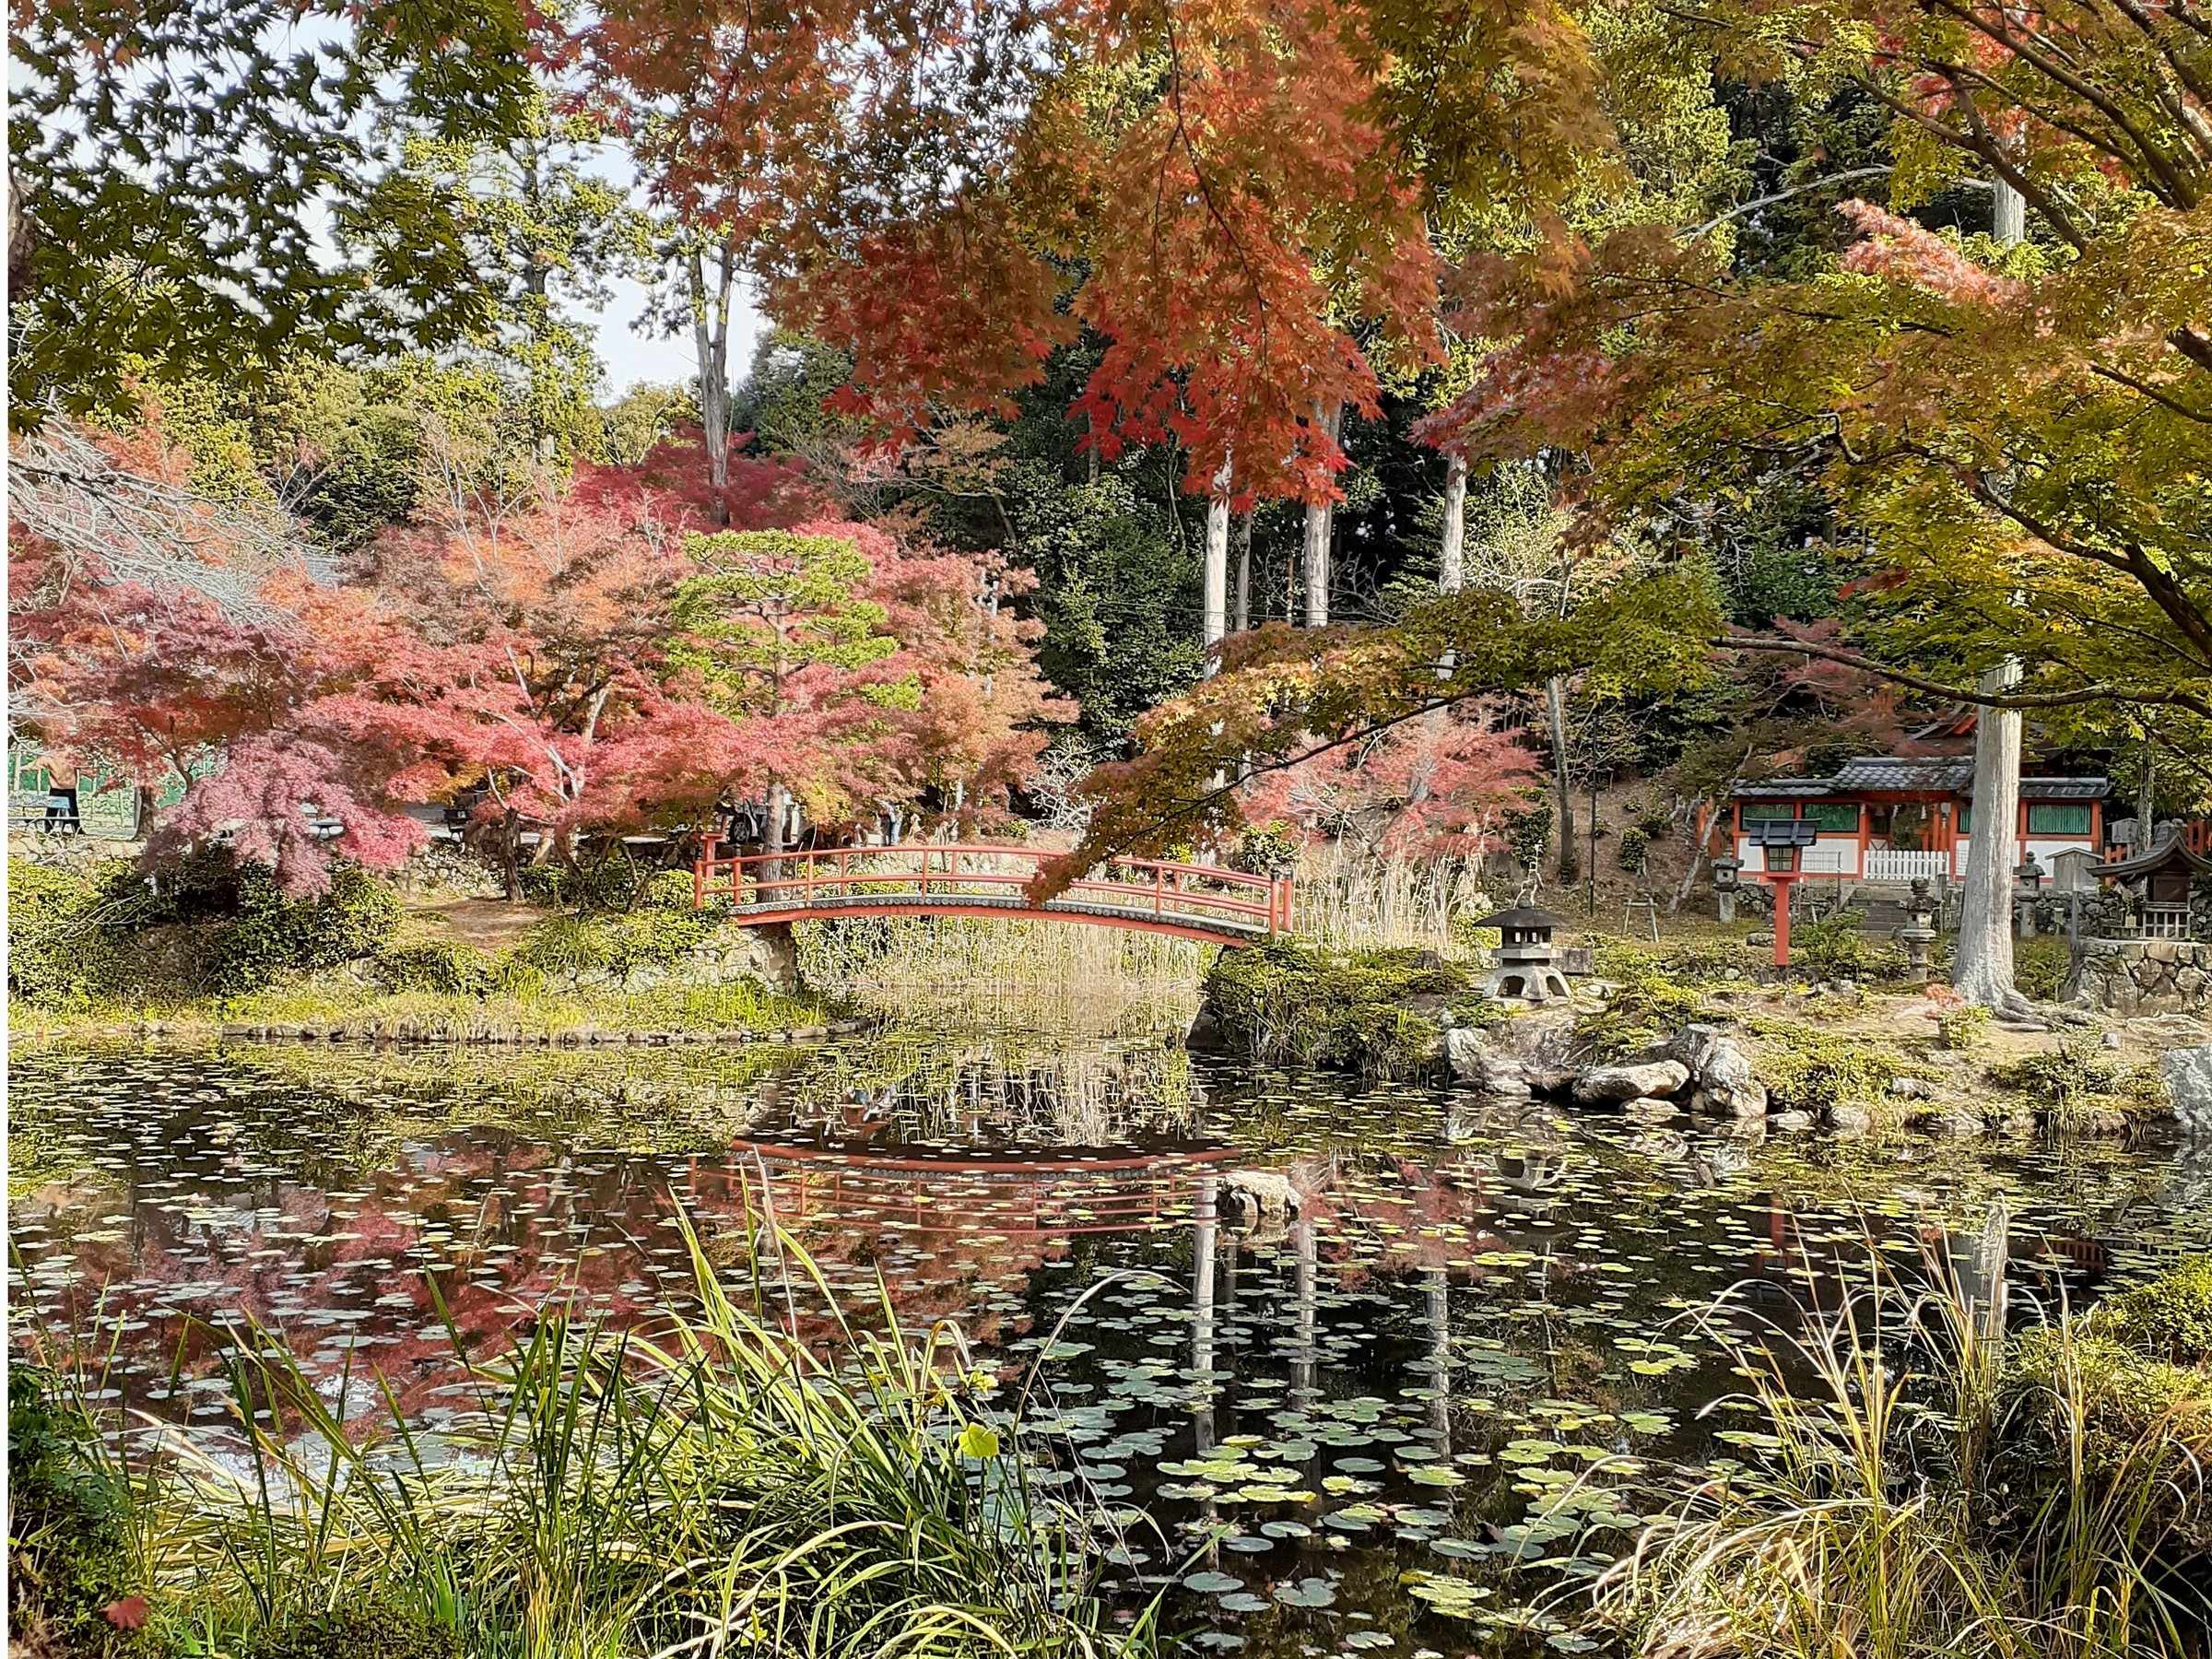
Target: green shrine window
(2058, 818)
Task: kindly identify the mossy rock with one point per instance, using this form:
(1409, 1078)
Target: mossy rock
(2129, 1392)
(375, 1632)
(1381, 1012)
(1646, 1006)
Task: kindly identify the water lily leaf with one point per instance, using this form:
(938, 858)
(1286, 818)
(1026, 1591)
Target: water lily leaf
(1307, 1593)
(1212, 1584)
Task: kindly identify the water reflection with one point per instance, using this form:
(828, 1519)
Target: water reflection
(1471, 1304)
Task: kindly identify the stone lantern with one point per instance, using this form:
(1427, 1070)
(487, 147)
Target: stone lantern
(1727, 881)
(1919, 931)
(1524, 967)
(2028, 878)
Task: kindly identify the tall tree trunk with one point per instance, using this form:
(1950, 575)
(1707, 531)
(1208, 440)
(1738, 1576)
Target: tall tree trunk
(2147, 792)
(711, 293)
(1243, 618)
(1451, 565)
(1981, 970)
(1216, 562)
(1320, 522)
(772, 833)
(2009, 218)
(1555, 716)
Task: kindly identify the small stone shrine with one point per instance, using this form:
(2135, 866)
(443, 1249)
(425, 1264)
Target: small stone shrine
(2154, 965)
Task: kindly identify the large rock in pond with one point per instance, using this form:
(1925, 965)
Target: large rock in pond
(1254, 1198)
(1474, 1062)
(1727, 1085)
(1612, 1085)
(2187, 1074)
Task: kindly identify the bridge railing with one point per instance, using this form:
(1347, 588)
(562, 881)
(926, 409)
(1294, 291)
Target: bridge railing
(922, 875)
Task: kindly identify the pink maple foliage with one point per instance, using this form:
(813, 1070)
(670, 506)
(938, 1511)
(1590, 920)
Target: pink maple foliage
(1440, 784)
(1904, 252)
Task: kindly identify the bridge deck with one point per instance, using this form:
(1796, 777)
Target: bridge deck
(1198, 902)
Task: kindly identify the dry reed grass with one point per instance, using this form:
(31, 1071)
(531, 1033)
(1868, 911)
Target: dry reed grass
(961, 970)
(1349, 899)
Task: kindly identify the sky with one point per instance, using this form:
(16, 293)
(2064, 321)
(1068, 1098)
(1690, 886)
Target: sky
(629, 357)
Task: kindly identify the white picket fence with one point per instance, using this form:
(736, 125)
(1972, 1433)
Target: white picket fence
(1884, 863)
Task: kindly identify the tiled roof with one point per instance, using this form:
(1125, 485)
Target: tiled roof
(1887, 772)
(1896, 774)
(1773, 789)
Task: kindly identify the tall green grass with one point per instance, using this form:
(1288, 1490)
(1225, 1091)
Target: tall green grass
(710, 1487)
(1930, 1488)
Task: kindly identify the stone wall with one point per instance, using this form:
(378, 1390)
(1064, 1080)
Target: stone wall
(2142, 976)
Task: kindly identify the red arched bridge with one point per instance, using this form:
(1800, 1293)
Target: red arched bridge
(1194, 901)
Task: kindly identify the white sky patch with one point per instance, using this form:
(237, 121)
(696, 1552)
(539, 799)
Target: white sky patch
(629, 357)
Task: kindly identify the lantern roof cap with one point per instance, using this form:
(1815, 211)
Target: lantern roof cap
(1521, 915)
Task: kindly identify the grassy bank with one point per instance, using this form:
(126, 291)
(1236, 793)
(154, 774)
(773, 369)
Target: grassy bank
(716, 1488)
(371, 1013)
(220, 946)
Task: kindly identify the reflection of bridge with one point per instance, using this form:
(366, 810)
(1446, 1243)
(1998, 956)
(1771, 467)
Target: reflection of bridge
(1015, 1194)
(1194, 901)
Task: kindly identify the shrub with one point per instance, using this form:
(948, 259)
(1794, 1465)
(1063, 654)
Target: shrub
(69, 1546)
(2170, 1318)
(1270, 850)
(653, 936)
(59, 955)
(75, 941)
(1809, 1071)
(567, 945)
(1963, 1027)
(2076, 1075)
(2135, 1430)
(605, 883)
(444, 967)
(659, 937)
(1528, 834)
(272, 936)
(669, 891)
(1832, 948)
(2039, 967)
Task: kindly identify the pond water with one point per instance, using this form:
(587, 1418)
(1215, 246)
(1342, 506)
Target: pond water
(1340, 1431)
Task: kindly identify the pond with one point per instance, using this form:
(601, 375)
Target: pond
(1356, 1429)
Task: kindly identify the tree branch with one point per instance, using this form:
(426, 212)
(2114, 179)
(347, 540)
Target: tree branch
(2148, 696)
